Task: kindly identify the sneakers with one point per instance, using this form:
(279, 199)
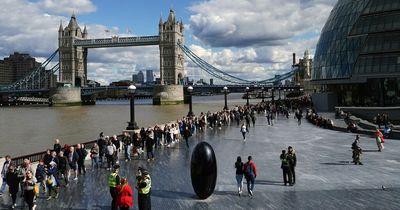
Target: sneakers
(76, 178)
(250, 193)
(57, 195)
(49, 198)
(34, 207)
(13, 206)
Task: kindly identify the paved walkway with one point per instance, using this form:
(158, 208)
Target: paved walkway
(325, 177)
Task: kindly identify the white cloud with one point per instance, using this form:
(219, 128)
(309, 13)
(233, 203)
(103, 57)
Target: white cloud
(221, 23)
(68, 7)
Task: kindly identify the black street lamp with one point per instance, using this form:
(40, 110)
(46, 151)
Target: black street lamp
(262, 94)
(226, 91)
(190, 90)
(132, 124)
(247, 96)
(279, 89)
(272, 94)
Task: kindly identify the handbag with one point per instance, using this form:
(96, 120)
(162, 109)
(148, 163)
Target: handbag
(36, 188)
(49, 180)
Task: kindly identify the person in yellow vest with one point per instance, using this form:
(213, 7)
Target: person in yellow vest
(144, 189)
(113, 181)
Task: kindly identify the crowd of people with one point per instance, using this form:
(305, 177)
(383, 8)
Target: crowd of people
(64, 164)
(318, 120)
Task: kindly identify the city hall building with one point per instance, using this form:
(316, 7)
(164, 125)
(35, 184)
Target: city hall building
(357, 58)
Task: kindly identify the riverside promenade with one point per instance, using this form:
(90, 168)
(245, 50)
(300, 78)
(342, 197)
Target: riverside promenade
(325, 177)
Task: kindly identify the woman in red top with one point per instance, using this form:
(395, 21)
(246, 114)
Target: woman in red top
(124, 195)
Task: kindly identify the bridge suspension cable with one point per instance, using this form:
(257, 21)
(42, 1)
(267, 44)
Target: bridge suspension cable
(219, 74)
(35, 78)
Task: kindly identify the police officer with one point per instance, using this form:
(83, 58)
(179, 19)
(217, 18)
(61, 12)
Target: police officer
(144, 188)
(287, 177)
(113, 181)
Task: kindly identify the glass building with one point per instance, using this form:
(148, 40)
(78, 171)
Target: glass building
(358, 53)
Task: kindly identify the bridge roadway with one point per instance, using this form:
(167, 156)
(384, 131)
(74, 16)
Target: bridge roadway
(325, 178)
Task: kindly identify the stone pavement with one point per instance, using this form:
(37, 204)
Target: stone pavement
(325, 177)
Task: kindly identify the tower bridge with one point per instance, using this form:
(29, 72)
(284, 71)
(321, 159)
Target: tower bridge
(73, 50)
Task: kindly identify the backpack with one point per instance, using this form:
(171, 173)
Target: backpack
(248, 170)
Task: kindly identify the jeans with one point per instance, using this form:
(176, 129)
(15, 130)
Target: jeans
(3, 186)
(127, 149)
(239, 181)
(250, 183)
(150, 153)
(95, 161)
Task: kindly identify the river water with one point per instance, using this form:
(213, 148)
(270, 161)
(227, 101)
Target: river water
(26, 130)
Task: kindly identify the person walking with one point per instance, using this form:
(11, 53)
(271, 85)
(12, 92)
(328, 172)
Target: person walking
(113, 181)
(13, 184)
(63, 167)
(57, 146)
(111, 155)
(144, 189)
(379, 140)
(292, 160)
(149, 141)
(41, 176)
(4, 171)
(244, 130)
(127, 142)
(250, 173)
(186, 135)
(124, 195)
(287, 177)
(239, 174)
(82, 153)
(72, 161)
(94, 155)
(52, 182)
(357, 151)
(29, 185)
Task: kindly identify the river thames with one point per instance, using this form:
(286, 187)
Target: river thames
(26, 130)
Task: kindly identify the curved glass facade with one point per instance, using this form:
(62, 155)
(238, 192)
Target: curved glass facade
(359, 47)
(360, 37)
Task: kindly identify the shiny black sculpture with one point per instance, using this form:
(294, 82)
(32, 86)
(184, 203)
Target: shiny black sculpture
(203, 170)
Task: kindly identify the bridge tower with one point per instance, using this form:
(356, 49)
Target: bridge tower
(73, 69)
(171, 56)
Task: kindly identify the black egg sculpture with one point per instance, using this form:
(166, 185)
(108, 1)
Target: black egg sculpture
(203, 170)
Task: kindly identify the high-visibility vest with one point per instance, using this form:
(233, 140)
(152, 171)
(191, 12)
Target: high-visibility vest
(112, 180)
(146, 189)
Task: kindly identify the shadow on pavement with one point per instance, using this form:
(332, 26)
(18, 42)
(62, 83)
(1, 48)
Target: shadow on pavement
(339, 163)
(370, 150)
(173, 194)
(268, 182)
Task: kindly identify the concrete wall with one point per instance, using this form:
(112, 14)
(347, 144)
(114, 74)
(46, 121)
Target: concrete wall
(168, 94)
(66, 96)
(368, 113)
(324, 102)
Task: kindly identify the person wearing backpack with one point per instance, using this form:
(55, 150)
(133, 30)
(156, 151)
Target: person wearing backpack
(250, 173)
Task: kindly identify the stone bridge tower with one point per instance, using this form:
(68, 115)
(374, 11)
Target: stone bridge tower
(171, 56)
(73, 65)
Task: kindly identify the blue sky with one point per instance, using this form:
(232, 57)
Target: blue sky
(252, 39)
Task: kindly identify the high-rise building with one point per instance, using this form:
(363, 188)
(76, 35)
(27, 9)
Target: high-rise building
(16, 67)
(140, 77)
(6, 73)
(135, 78)
(149, 76)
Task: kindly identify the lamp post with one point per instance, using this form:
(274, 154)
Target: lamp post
(262, 94)
(225, 91)
(272, 94)
(132, 124)
(190, 90)
(279, 91)
(247, 96)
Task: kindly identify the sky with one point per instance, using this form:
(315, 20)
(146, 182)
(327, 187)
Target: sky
(251, 39)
